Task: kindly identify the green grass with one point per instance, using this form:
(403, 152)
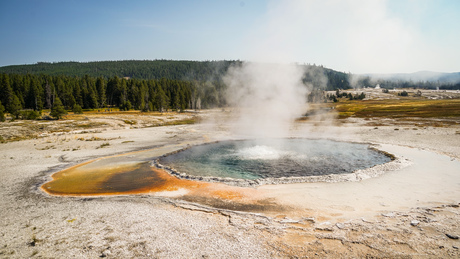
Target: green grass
(175, 122)
(89, 125)
(130, 122)
(181, 122)
(103, 145)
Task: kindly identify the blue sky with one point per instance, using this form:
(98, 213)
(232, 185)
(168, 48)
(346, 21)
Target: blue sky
(358, 36)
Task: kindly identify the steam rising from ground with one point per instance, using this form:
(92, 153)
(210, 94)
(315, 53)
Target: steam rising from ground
(267, 98)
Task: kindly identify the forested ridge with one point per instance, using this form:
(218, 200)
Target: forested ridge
(209, 71)
(137, 69)
(157, 69)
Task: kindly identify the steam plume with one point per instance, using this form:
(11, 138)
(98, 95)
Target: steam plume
(268, 96)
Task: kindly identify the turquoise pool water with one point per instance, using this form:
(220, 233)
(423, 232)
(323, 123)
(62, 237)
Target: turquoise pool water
(274, 158)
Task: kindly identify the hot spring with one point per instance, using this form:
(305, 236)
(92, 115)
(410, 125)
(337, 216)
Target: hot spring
(272, 158)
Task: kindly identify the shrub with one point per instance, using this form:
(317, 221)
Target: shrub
(77, 109)
(104, 145)
(403, 93)
(30, 115)
(125, 106)
(58, 109)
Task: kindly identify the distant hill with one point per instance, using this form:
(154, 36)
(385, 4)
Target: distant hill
(201, 71)
(138, 69)
(169, 69)
(421, 76)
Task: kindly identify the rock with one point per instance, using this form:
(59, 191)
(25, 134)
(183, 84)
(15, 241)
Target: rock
(452, 236)
(105, 253)
(340, 225)
(389, 215)
(309, 219)
(288, 220)
(366, 220)
(325, 226)
(414, 222)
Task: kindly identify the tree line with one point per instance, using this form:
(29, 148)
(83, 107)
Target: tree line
(366, 81)
(37, 92)
(319, 96)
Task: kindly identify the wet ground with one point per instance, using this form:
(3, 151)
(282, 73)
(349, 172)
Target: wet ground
(426, 179)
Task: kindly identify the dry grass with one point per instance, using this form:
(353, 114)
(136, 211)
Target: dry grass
(404, 108)
(410, 111)
(88, 125)
(90, 122)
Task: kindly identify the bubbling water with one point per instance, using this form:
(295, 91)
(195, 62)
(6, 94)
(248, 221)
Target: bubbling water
(274, 158)
(261, 153)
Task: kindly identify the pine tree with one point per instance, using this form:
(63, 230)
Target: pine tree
(15, 107)
(101, 89)
(6, 92)
(77, 94)
(112, 91)
(92, 99)
(123, 92)
(49, 94)
(58, 109)
(2, 112)
(161, 100)
(125, 106)
(144, 97)
(34, 96)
